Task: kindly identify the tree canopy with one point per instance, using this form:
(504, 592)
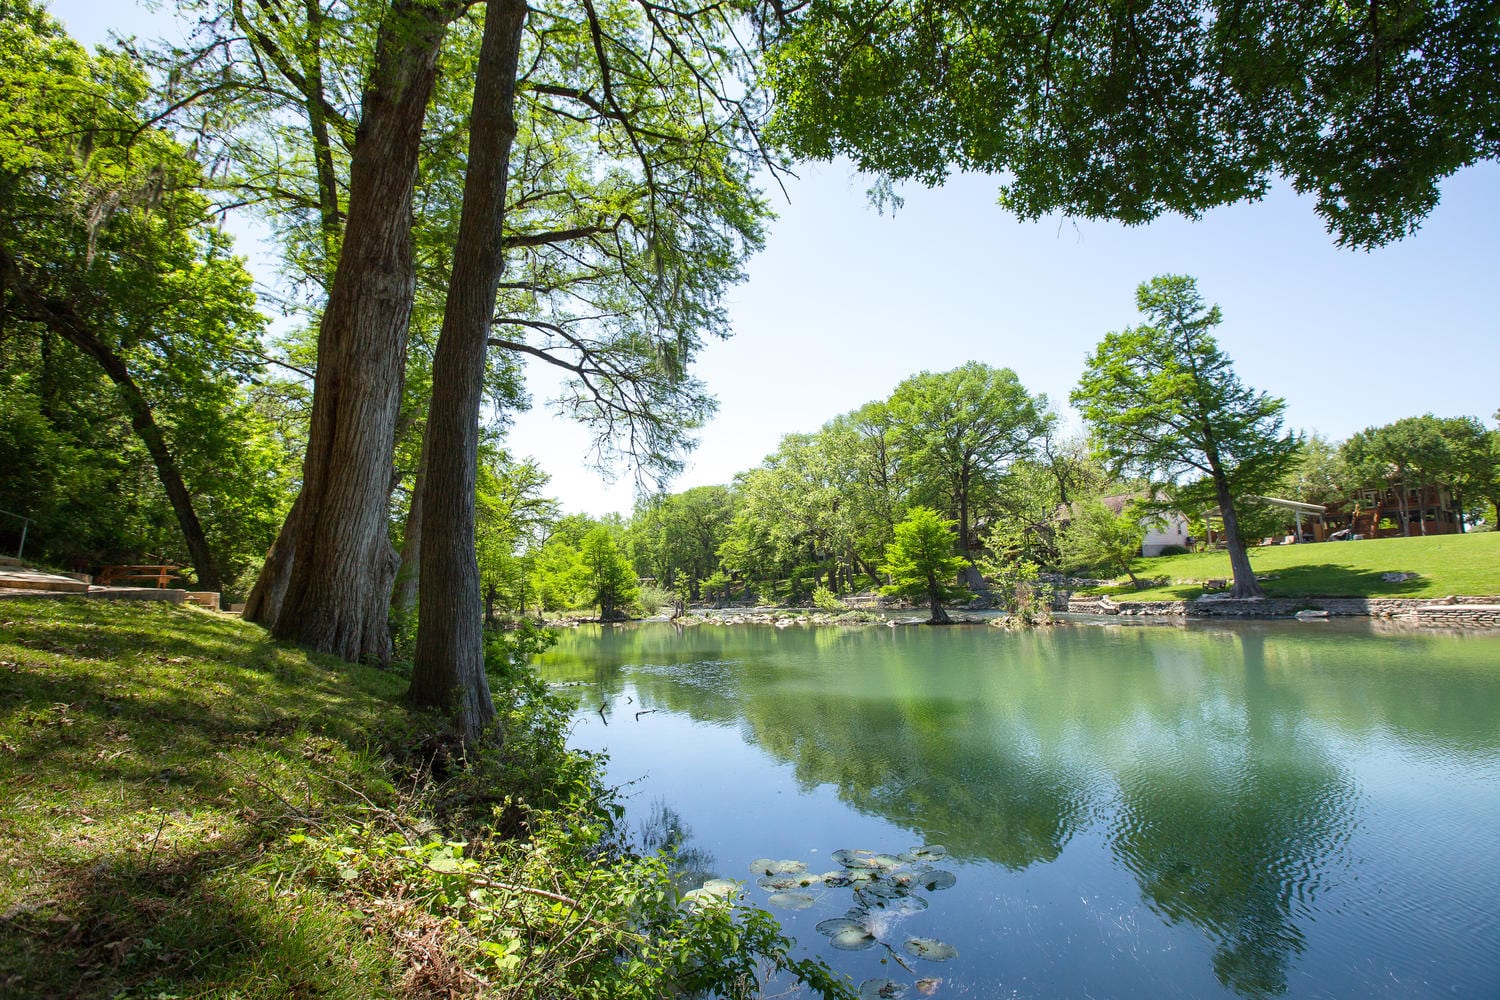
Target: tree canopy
(1162, 400)
(1126, 111)
(921, 562)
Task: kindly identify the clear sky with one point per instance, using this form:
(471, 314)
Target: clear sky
(844, 303)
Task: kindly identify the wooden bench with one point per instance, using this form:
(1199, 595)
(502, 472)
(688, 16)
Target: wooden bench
(161, 575)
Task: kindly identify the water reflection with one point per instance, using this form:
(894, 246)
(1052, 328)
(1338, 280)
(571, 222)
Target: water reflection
(1214, 763)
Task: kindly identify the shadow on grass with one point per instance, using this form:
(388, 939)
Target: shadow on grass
(1333, 580)
(1314, 580)
(168, 924)
(150, 758)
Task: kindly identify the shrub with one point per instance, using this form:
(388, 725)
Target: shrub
(826, 600)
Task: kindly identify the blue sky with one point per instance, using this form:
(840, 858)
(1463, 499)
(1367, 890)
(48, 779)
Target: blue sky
(844, 303)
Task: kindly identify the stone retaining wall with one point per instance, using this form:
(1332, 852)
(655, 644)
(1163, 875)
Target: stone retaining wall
(1475, 612)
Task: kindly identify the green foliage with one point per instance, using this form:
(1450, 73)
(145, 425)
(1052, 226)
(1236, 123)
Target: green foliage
(1099, 539)
(1456, 453)
(1015, 578)
(1112, 111)
(612, 582)
(921, 563)
(677, 537)
(826, 600)
(292, 804)
(1162, 400)
(959, 431)
(113, 265)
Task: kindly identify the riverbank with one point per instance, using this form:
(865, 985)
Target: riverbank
(1450, 612)
(190, 809)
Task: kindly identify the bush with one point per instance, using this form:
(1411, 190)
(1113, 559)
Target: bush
(826, 600)
(1172, 550)
(650, 599)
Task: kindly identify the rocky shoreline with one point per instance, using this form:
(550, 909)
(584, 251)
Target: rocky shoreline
(1445, 612)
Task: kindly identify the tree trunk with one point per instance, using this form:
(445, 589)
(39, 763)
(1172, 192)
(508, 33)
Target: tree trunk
(264, 600)
(939, 616)
(1245, 584)
(338, 576)
(60, 318)
(448, 669)
(404, 595)
(1403, 503)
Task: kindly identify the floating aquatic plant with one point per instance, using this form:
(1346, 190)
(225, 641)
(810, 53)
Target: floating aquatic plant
(792, 900)
(885, 888)
(853, 940)
(931, 949)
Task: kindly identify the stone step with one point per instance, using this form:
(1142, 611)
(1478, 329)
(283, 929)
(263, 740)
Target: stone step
(35, 580)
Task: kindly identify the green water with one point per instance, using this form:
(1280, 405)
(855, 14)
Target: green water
(1302, 810)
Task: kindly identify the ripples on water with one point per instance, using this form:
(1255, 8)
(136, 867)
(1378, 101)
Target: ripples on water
(1260, 811)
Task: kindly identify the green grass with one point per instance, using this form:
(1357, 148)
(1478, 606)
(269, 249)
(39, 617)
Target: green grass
(1446, 564)
(153, 759)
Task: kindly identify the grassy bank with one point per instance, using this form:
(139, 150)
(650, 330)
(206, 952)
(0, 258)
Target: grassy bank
(188, 810)
(1444, 564)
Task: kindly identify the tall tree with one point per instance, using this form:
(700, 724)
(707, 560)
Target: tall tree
(327, 582)
(1162, 399)
(1128, 110)
(961, 430)
(1471, 463)
(612, 583)
(448, 667)
(107, 245)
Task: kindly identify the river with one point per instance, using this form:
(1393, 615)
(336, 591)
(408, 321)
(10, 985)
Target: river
(1257, 810)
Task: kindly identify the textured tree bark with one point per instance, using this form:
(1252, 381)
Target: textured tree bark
(338, 572)
(404, 595)
(61, 319)
(1239, 559)
(448, 668)
(264, 600)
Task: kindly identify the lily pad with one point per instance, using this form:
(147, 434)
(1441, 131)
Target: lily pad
(928, 852)
(837, 925)
(879, 890)
(886, 861)
(929, 948)
(935, 880)
(765, 866)
(721, 887)
(835, 879)
(882, 989)
(928, 986)
(855, 939)
(854, 859)
(903, 906)
(778, 883)
(792, 900)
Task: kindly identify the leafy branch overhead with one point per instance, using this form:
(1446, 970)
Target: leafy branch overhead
(1127, 111)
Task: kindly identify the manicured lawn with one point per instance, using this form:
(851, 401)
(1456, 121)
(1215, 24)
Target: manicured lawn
(1445, 564)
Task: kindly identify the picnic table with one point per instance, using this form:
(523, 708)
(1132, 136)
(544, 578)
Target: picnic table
(162, 574)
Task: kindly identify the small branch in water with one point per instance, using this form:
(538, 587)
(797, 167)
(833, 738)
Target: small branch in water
(899, 960)
(644, 711)
(602, 706)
